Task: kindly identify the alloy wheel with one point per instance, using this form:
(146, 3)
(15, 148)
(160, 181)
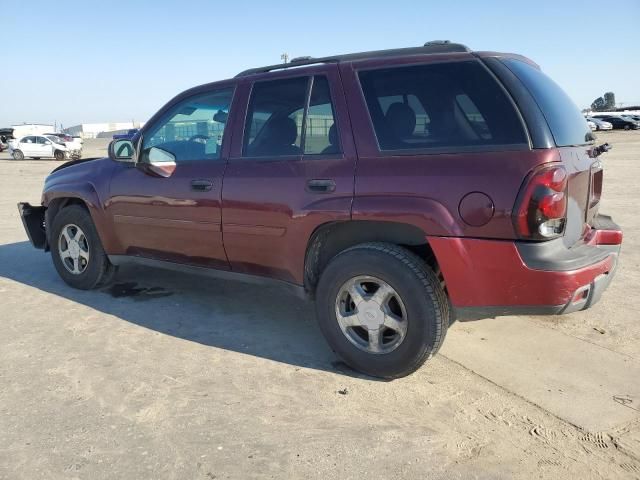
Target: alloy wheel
(371, 314)
(73, 249)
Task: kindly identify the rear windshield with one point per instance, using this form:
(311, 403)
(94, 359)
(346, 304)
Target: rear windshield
(565, 120)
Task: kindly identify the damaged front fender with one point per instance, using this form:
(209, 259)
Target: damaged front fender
(33, 221)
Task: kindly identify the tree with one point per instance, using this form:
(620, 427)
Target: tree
(610, 101)
(599, 105)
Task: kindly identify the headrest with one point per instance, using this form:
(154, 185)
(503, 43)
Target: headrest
(401, 119)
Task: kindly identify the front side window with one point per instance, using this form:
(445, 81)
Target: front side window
(193, 130)
(287, 118)
(443, 106)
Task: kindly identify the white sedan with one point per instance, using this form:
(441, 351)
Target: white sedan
(601, 124)
(38, 146)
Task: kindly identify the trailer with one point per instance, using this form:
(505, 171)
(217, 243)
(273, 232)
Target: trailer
(25, 129)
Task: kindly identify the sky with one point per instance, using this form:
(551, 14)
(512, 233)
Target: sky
(83, 61)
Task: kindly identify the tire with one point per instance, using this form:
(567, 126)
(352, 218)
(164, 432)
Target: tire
(18, 155)
(58, 155)
(419, 300)
(627, 127)
(93, 268)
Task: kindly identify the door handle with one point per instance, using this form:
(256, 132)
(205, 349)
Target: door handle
(201, 185)
(321, 186)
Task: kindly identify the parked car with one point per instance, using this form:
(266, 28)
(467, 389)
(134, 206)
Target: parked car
(476, 194)
(73, 145)
(600, 124)
(620, 122)
(129, 135)
(38, 146)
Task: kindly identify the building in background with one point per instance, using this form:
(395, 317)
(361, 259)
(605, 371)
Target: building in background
(24, 129)
(96, 130)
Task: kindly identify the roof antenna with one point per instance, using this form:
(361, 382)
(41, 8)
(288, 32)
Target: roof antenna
(284, 57)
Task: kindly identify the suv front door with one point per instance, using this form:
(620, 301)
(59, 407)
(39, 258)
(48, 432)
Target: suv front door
(291, 170)
(177, 218)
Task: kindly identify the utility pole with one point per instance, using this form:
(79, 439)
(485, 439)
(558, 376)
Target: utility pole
(284, 57)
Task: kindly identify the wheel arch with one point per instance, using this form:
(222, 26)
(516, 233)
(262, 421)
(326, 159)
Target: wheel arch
(55, 199)
(329, 239)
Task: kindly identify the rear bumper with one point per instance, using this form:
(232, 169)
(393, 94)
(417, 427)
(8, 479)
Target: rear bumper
(488, 278)
(33, 220)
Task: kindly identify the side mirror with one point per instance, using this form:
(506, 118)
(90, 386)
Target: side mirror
(121, 150)
(158, 162)
(47, 142)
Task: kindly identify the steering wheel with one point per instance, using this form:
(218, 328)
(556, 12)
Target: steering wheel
(195, 138)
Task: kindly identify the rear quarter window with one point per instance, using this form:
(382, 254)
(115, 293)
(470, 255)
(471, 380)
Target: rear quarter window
(567, 124)
(441, 107)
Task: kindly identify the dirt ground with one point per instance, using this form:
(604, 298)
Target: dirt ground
(167, 375)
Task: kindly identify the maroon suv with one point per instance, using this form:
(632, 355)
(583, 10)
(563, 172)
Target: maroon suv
(400, 189)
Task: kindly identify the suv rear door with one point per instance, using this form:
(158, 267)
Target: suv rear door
(290, 170)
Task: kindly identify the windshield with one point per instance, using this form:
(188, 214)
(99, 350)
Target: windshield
(55, 139)
(566, 122)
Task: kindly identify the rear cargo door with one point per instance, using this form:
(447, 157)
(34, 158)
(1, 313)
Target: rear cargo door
(574, 140)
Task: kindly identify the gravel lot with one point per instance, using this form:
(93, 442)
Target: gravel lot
(167, 375)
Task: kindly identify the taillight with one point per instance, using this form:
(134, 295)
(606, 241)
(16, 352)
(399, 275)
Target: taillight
(541, 208)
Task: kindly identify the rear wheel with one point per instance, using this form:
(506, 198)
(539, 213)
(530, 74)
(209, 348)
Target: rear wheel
(382, 309)
(58, 155)
(76, 250)
(18, 155)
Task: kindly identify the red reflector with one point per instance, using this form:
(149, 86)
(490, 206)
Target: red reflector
(609, 237)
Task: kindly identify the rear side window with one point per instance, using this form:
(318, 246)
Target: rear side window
(321, 133)
(444, 106)
(274, 119)
(566, 122)
(290, 117)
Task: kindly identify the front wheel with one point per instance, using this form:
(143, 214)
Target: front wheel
(76, 250)
(58, 155)
(627, 127)
(382, 309)
(18, 155)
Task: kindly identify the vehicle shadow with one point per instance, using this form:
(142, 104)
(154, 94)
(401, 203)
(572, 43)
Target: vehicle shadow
(262, 321)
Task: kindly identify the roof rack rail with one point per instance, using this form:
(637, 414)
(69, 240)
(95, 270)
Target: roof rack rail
(435, 46)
